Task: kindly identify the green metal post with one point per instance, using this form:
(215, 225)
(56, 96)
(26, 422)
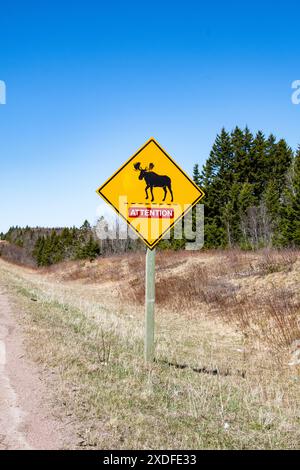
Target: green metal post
(149, 307)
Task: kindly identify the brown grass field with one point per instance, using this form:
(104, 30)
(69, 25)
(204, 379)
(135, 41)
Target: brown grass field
(226, 373)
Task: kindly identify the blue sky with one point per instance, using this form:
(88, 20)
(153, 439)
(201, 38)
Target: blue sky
(89, 82)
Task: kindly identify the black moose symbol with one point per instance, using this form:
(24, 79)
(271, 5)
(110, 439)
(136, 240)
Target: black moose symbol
(153, 180)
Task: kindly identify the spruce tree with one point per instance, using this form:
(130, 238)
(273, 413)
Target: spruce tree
(280, 163)
(216, 181)
(85, 226)
(196, 174)
(258, 174)
(242, 142)
(230, 215)
(38, 250)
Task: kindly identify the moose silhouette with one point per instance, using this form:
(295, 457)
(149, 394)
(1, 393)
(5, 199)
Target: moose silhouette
(154, 180)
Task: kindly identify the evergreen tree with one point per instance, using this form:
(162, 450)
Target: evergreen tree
(85, 226)
(242, 142)
(230, 215)
(271, 198)
(281, 160)
(247, 211)
(216, 180)
(92, 249)
(258, 174)
(46, 255)
(196, 174)
(38, 249)
(88, 250)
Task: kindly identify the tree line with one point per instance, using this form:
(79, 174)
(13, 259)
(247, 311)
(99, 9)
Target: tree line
(45, 246)
(71, 243)
(252, 191)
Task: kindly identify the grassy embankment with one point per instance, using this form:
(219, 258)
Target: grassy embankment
(225, 322)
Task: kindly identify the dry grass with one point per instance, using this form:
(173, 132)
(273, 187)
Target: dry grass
(221, 378)
(271, 315)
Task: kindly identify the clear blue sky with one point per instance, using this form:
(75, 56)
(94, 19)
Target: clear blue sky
(88, 82)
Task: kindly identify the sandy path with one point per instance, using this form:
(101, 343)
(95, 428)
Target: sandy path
(25, 417)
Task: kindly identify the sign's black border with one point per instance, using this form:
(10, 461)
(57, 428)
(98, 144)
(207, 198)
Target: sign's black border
(151, 246)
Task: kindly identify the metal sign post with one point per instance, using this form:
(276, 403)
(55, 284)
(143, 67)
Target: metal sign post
(149, 305)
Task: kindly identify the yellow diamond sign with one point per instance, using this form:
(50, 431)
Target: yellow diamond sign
(151, 192)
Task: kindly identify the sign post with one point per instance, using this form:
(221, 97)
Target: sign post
(149, 305)
(151, 193)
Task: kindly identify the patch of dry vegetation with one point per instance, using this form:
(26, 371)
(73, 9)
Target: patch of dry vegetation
(223, 286)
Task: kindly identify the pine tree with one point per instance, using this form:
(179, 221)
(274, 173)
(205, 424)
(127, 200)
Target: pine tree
(230, 215)
(246, 204)
(38, 250)
(88, 250)
(271, 198)
(92, 249)
(258, 174)
(46, 253)
(196, 174)
(279, 164)
(242, 142)
(85, 226)
(216, 180)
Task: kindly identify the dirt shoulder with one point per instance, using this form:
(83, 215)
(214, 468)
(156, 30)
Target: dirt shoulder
(26, 419)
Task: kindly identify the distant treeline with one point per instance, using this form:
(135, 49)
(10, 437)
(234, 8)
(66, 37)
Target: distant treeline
(252, 200)
(252, 191)
(42, 246)
(45, 246)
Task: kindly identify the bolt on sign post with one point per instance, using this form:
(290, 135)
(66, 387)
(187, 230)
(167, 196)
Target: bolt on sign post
(151, 193)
